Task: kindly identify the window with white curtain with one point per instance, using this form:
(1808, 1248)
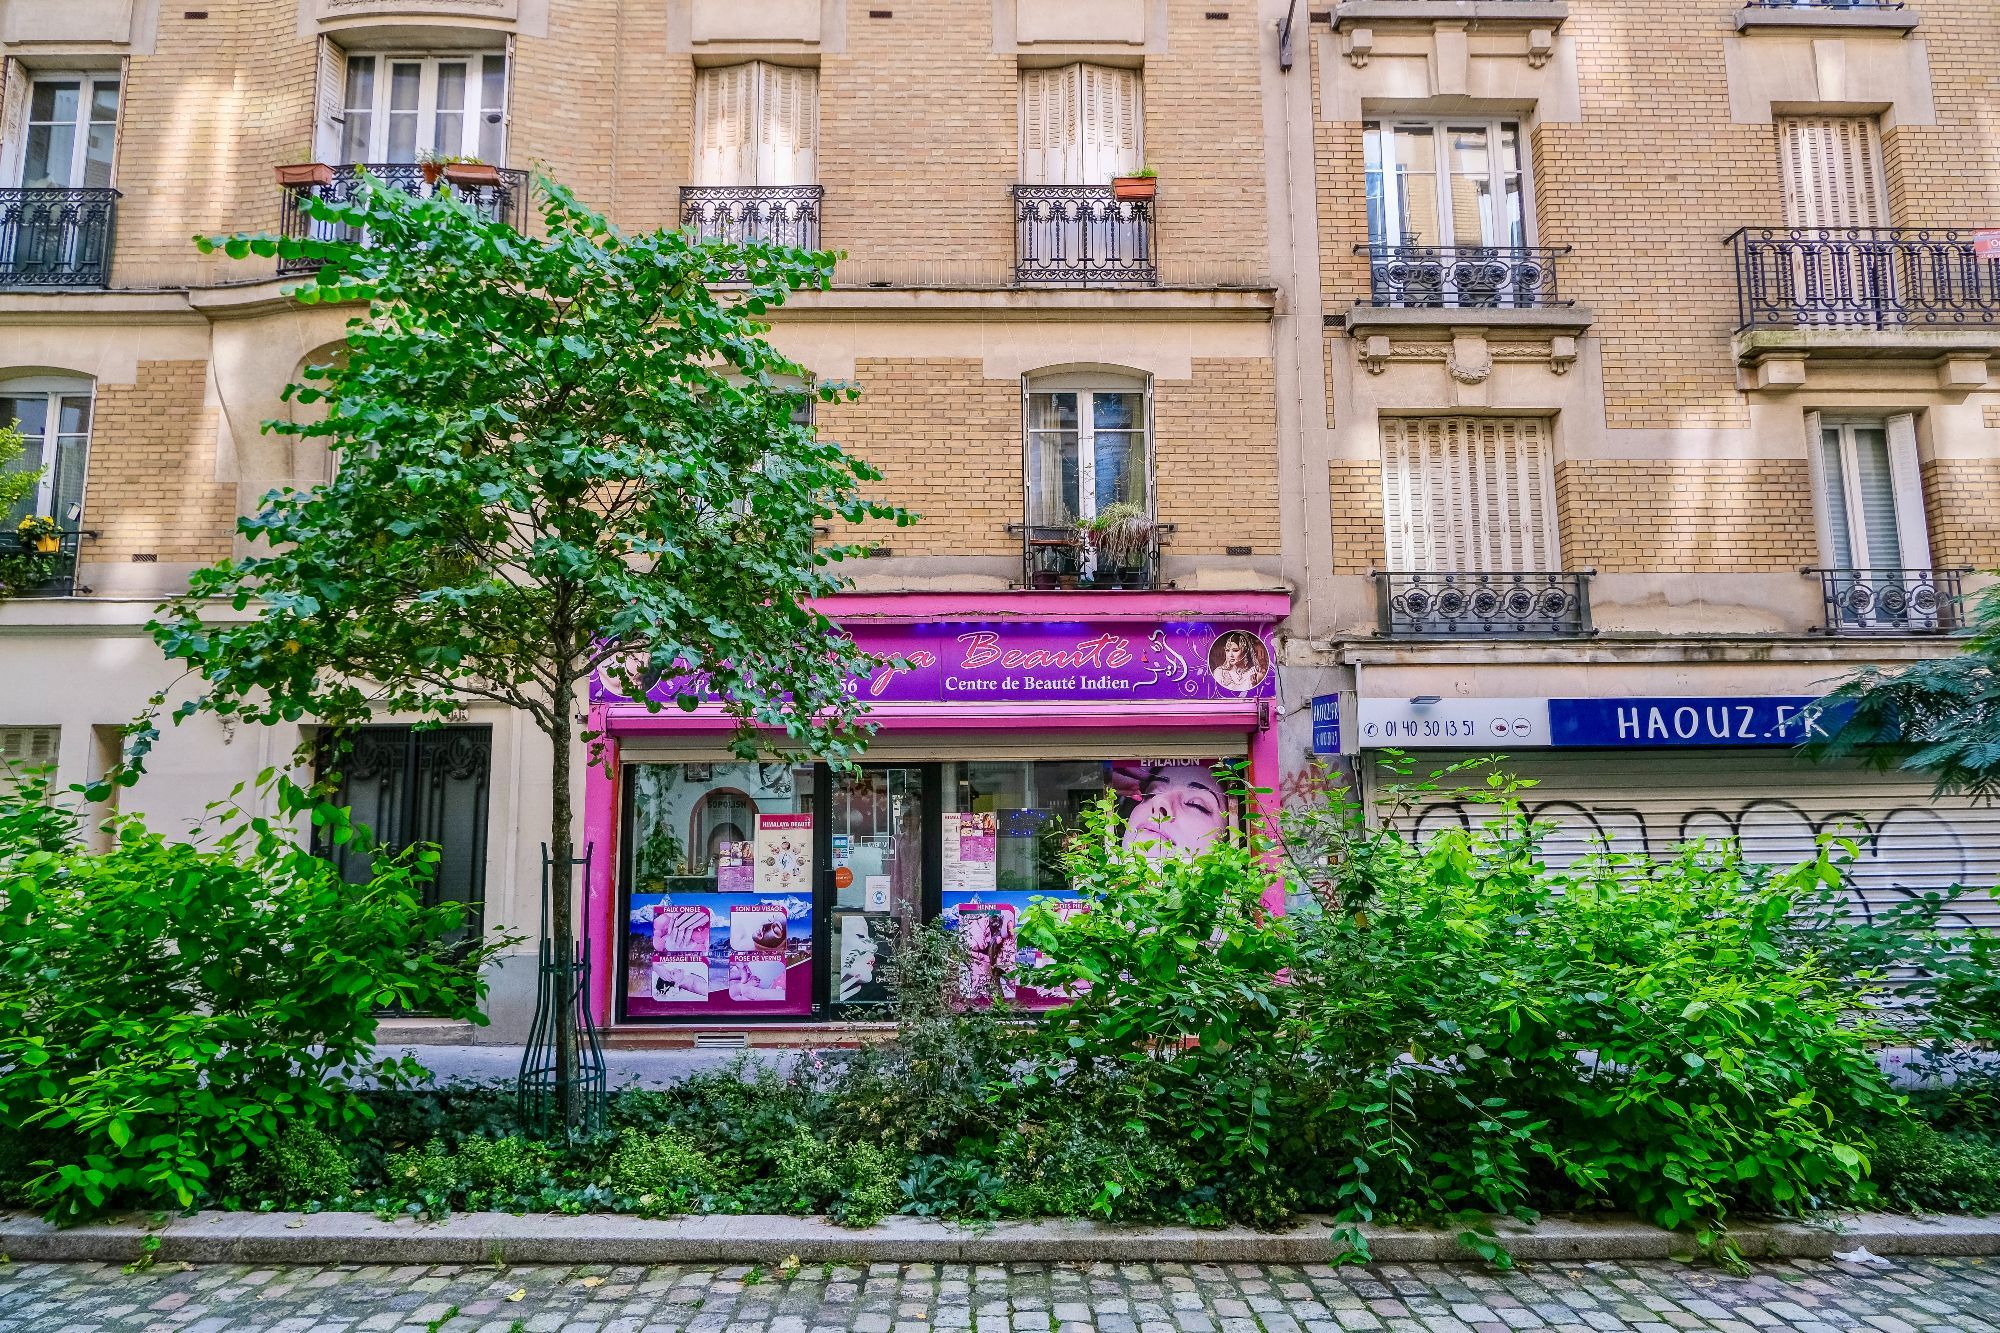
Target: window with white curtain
(398, 109)
(67, 131)
(53, 415)
(1469, 495)
(1448, 182)
(1087, 447)
(757, 124)
(1081, 125)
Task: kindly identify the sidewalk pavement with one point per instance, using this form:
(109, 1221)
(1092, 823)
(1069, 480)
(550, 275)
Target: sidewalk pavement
(623, 1068)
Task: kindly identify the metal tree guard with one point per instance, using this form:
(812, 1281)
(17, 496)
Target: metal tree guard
(563, 983)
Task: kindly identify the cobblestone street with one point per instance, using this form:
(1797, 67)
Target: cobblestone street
(1959, 1295)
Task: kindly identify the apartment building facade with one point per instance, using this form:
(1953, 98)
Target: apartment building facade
(1469, 375)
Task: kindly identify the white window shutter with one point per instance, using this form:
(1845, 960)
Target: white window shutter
(1824, 494)
(330, 99)
(1109, 101)
(1469, 494)
(787, 126)
(1912, 529)
(23, 748)
(1399, 507)
(14, 82)
(1832, 171)
(1052, 126)
(725, 122)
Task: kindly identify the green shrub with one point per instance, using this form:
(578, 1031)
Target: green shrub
(503, 1168)
(429, 1177)
(663, 1173)
(304, 1165)
(168, 1009)
(1921, 1169)
(870, 1187)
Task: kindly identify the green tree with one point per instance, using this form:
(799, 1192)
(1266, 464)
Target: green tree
(552, 454)
(19, 568)
(1939, 717)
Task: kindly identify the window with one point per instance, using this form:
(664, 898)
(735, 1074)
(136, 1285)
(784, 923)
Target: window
(1832, 171)
(757, 124)
(1871, 494)
(1080, 125)
(72, 127)
(53, 416)
(23, 748)
(1469, 494)
(395, 109)
(1088, 450)
(1446, 183)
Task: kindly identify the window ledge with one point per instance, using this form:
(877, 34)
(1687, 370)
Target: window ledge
(1953, 360)
(1531, 13)
(1877, 18)
(1364, 320)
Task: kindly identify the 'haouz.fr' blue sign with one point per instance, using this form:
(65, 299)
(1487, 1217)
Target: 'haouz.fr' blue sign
(1767, 720)
(1326, 724)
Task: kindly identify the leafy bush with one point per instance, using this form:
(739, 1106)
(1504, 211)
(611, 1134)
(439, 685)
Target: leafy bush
(665, 1172)
(168, 1009)
(1922, 1169)
(304, 1165)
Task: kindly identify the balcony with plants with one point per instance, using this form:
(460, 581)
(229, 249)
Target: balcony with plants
(498, 193)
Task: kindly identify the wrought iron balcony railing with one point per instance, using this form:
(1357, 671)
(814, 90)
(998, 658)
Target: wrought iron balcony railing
(1823, 4)
(1082, 234)
(1463, 277)
(1059, 557)
(1862, 278)
(506, 202)
(780, 214)
(27, 571)
(1468, 604)
(1892, 601)
(56, 238)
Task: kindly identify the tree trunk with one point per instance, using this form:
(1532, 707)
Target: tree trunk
(562, 904)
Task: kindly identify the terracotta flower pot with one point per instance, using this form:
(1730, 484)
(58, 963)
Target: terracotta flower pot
(472, 175)
(1131, 188)
(433, 172)
(299, 175)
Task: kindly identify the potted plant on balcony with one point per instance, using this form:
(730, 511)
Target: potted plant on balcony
(1121, 537)
(1141, 184)
(303, 173)
(467, 173)
(39, 534)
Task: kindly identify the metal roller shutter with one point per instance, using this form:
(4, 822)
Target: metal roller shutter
(1647, 802)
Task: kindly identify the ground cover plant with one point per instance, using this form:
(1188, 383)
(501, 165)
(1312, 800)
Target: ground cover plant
(1442, 1029)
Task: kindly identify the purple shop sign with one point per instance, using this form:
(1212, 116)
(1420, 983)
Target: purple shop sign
(1171, 661)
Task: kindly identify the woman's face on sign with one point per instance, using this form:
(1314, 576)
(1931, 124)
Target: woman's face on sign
(1235, 656)
(1183, 810)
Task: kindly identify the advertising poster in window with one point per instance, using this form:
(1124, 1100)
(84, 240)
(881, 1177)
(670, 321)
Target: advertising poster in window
(970, 846)
(1165, 807)
(688, 954)
(784, 854)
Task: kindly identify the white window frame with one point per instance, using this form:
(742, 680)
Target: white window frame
(1441, 127)
(53, 389)
(1086, 388)
(87, 81)
(474, 112)
(1905, 480)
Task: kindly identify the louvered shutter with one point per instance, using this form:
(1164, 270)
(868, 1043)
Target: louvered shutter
(1829, 514)
(1110, 123)
(329, 101)
(1912, 528)
(1469, 494)
(14, 83)
(726, 126)
(1052, 126)
(23, 748)
(787, 125)
(1832, 171)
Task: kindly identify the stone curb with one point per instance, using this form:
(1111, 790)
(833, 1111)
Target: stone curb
(469, 1238)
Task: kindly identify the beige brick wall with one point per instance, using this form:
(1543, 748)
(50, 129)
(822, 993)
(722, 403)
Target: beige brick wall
(151, 487)
(1962, 508)
(1711, 516)
(1358, 539)
(1205, 133)
(1215, 453)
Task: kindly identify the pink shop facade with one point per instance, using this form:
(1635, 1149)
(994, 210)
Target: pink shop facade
(732, 897)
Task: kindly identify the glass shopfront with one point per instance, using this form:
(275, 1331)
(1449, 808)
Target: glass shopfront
(775, 890)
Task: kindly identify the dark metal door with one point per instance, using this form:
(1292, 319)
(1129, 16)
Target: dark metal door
(409, 785)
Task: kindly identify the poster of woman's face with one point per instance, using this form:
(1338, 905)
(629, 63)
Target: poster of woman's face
(1238, 661)
(1178, 805)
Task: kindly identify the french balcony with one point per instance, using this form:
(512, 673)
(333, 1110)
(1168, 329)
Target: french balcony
(1463, 277)
(1891, 15)
(1082, 235)
(56, 237)
(505, 202)
(1892, 601)
(775, 214)
(1812, 297)
(1460, 604)
(31, 569)
(1064, 558)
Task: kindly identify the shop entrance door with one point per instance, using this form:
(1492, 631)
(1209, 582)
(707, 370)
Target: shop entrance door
(879, 871)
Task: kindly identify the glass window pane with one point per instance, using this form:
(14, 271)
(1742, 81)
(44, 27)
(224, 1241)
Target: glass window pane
(358, 124)
(1471, 221)
(66, 504)
(1053, 499)
(448, 134)
(1416, 187)
(104, 100)
(493, 84)
(1878, 497)
(55, 101)
(1121, 469)
(492, 117)
(1379, 230)
(405, 81)
(73, 416)
(98, 150)
(29, 415)
(51, 151)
